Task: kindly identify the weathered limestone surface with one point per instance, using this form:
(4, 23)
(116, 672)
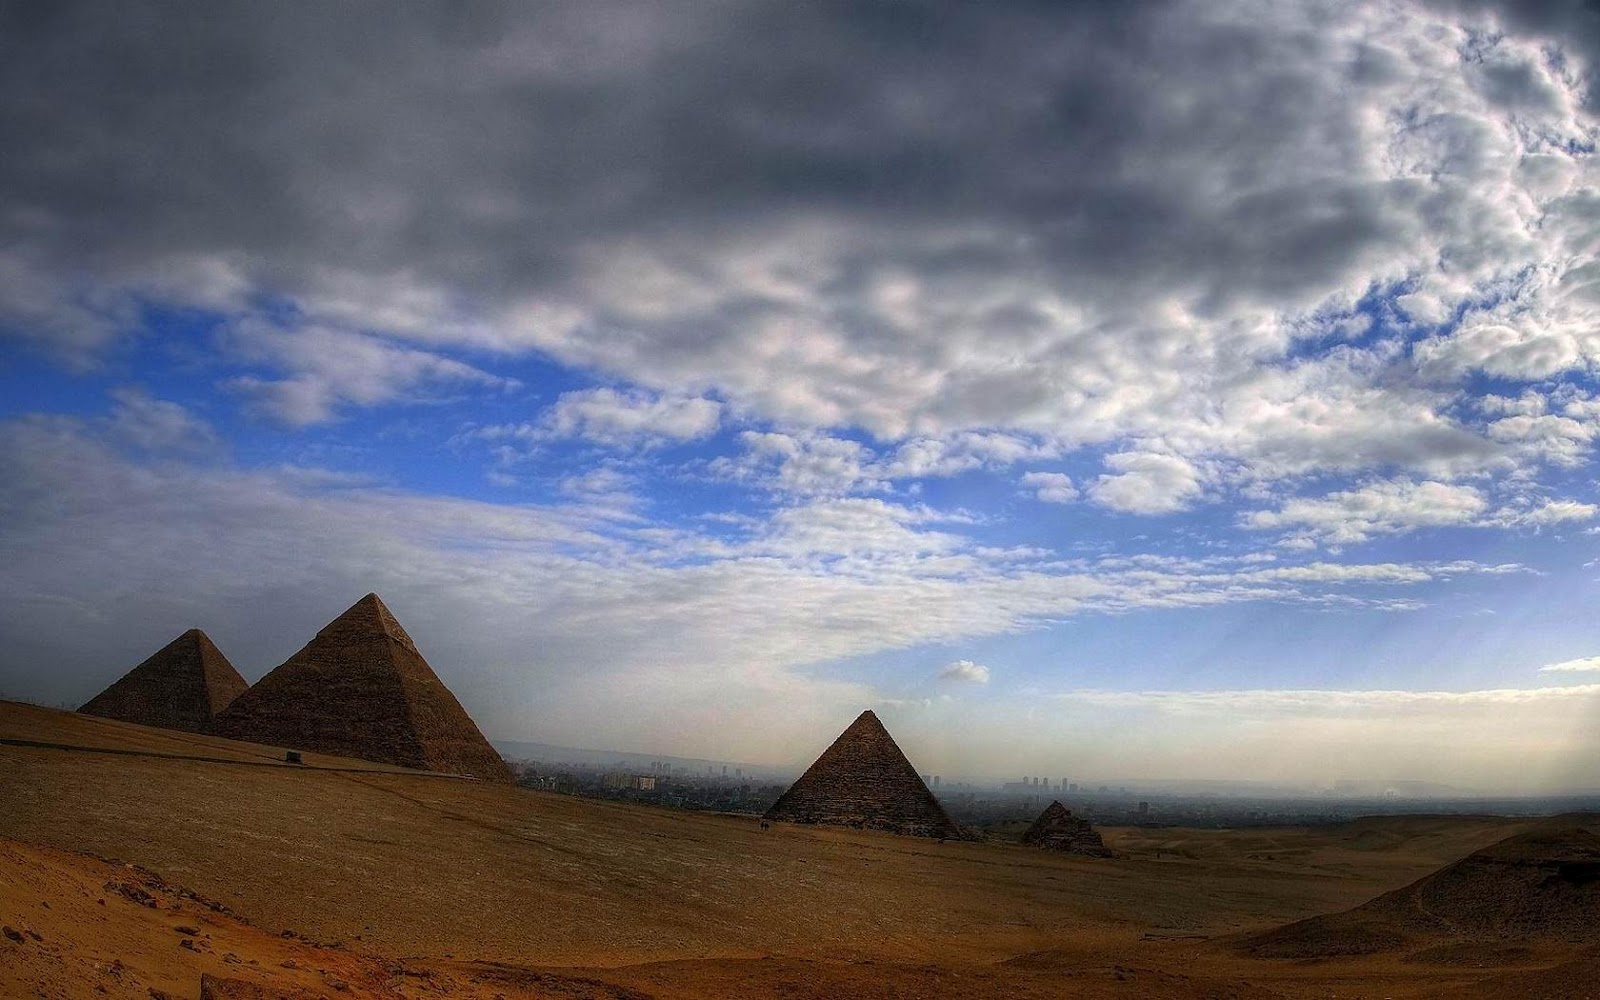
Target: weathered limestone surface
(864, 781)
(362, 689)
(182, 686)
(1057, 829)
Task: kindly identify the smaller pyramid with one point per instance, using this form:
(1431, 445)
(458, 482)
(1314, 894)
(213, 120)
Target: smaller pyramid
(362, 689)
(864, 781)
(184, 685)
(1057, 829)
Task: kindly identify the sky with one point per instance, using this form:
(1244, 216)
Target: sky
(1147, 390)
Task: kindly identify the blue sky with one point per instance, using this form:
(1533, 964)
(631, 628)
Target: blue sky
(1199, 391)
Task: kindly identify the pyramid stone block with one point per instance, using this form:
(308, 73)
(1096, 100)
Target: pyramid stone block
(184, 685)
(1057, 829)
(864, 781)
(362, 689)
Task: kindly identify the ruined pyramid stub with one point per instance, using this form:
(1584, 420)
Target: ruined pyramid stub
(361, 689)
(183, 686)
(1543, 885)
(864, 781)
(1057, 829)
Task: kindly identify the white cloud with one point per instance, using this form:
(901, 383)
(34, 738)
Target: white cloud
(1146, 482)
(1582, 665)
(640, 623)
(611, 416)
(1556, 512)
(965, 672)
(157, 425)
(325, 368)
(1383, 508)
(802, 464)
(1050, 487)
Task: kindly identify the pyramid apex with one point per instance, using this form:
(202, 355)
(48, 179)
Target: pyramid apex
(373, 612)
(183, 685)
(863, 780)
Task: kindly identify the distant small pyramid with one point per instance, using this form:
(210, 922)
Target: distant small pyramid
(1057, 829)
(182, 686)
(361, 689)
(864, 781)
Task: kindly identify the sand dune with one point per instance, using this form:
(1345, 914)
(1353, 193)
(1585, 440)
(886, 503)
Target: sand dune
(493, 890)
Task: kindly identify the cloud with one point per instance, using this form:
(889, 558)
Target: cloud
(965, 672)
(157, 425)
(615, 418)
(1146, 483)
(609, 416)
(1585, 664)
(926, 240)
(1050, 487)
(630, 616)
(1557, 512)
(1382, 508)
(803, 464)
(325, 368)
(1316, 702)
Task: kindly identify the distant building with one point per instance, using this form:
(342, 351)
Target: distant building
(644, 782)
(1144, 809)
(936, 781)
(1072, 788)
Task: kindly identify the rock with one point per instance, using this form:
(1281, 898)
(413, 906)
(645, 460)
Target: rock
(218, 988)
(11, 933)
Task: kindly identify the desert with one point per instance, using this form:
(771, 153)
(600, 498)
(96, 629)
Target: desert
(140, 859)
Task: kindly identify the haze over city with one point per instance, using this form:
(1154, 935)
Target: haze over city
(1147, 391)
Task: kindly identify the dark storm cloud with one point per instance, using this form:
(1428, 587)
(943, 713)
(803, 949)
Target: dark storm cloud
(480, 144)
(1075, 220)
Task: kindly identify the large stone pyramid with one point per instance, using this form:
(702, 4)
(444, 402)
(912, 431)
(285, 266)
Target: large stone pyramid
(864, 781)
(1057, 829)
(361, 689)
(182, 686)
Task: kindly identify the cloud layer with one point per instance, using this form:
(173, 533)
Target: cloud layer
(780, 338)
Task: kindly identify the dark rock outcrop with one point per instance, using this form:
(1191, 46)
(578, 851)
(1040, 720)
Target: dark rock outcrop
(864, 781)
(184, 685)
(362, 689)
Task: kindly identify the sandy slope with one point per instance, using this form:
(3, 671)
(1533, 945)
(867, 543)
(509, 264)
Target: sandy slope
(573, 897)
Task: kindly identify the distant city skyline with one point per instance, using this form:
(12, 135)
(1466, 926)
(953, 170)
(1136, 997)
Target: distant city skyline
(1164, 391)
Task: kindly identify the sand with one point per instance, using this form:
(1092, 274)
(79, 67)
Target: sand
(399, 884)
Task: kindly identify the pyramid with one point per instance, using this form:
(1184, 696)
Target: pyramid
(1057, 829)
(182, 686)
(864, 781)
(1539, 885)
(361, 689)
